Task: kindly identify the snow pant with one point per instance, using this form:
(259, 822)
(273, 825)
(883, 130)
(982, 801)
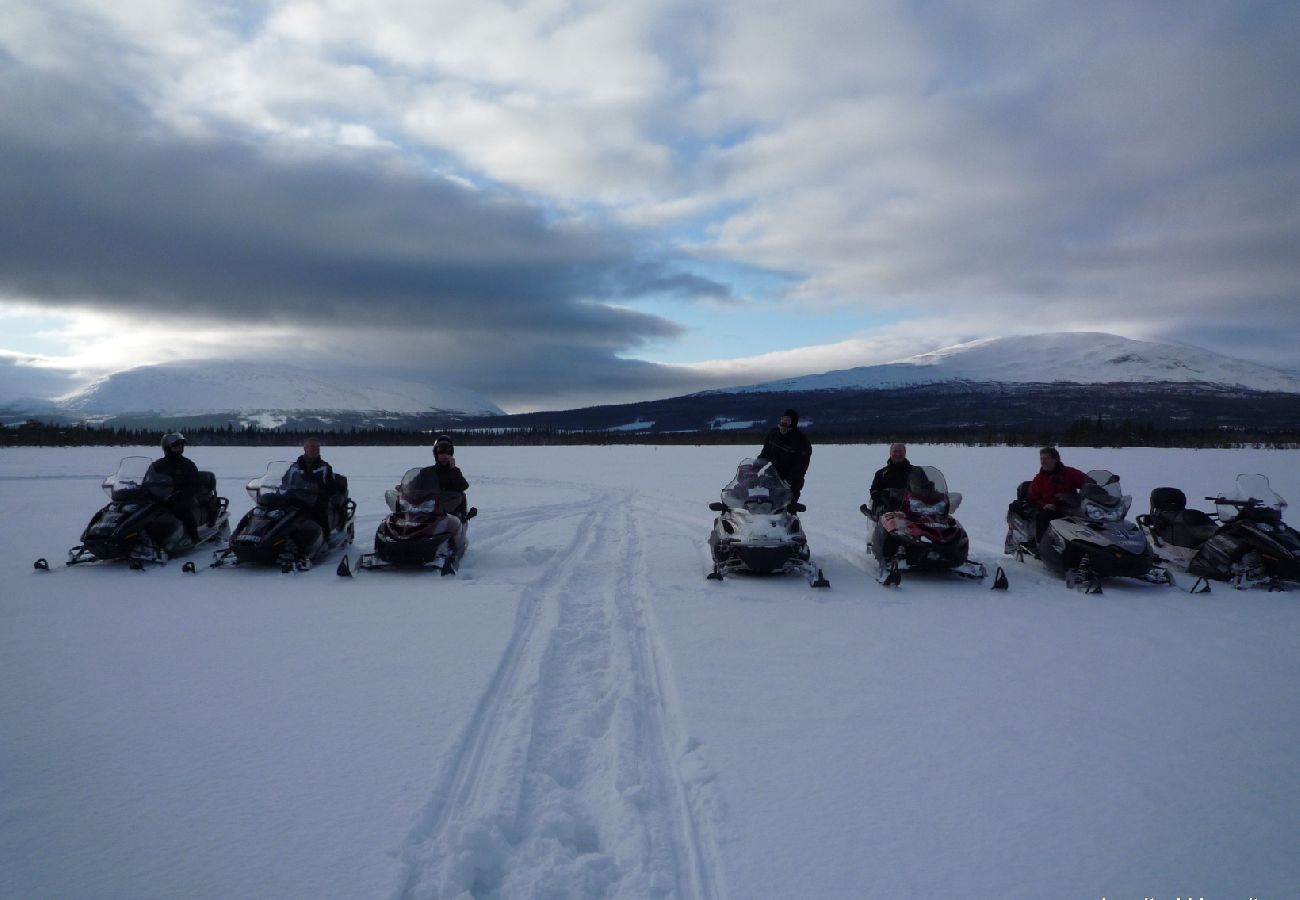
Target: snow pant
(183, 509)
(455, 530)
(1042, 520)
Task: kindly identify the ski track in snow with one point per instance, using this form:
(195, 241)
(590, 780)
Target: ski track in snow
(568, 780)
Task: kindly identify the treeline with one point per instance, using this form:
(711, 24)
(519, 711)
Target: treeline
(1082, 432)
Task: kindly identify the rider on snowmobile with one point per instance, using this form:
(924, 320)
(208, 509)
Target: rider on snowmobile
(445, 476)
(789, 451)
(184, 475)
(890, 481)
(1054, 492)
(311, 467)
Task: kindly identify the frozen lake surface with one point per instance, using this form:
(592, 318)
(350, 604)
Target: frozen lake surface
(580, 714)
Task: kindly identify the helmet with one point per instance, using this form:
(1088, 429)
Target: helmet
(171, 439)
(442, 441)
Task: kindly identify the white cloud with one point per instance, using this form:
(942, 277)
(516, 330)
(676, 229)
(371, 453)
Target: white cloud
(1123, 166)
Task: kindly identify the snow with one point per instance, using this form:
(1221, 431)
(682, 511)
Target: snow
(204, 387)
(579, 713)
(723, 423)
(638, 425)
(1077, 357)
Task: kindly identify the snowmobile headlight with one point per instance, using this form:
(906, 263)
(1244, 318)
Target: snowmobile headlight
(1099, 513)
(937, 508)
(128, 507)
(276, 513)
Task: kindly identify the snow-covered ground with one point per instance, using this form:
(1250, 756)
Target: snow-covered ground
(580, 714)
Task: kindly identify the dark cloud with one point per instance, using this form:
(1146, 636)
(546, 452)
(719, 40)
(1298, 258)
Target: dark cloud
(100, 208)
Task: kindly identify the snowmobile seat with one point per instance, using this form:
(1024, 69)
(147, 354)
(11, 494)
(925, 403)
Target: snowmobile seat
(1168, 499)
(207, 507)
(1021, 506)
(1174, 523)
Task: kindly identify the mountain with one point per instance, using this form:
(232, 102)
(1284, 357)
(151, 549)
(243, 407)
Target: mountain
(199, 388)
(1044, 382)
(1074, 357)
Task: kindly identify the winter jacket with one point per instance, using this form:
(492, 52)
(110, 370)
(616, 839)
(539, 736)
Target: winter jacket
(319, 471)
(891, 477)
(789, 453)
(183, 473)
(441, 478)
(1061, 480)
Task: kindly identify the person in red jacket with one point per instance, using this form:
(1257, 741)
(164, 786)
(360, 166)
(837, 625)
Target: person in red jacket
(1055, 489)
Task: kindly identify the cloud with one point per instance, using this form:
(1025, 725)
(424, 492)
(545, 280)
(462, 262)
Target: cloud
(1130, 161)
(128, 218)
(972, 170)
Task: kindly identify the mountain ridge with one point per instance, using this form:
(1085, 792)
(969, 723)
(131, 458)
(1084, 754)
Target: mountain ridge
(1050, 357)
(210, 387)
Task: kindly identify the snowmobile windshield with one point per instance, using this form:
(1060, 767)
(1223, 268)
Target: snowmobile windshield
(128, 482)
(927, 492)
(1103, 500)
(420, 494)
(757, 488)
(283, 484)
(1251, 492)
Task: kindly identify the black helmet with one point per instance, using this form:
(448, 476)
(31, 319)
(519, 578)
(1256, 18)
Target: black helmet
(171, 439)
(442, 441)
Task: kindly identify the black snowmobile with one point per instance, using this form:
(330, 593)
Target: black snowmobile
(1245, 542)
(757, 529)
(427, 528)
(287, 526)
(915, 530)
(1091, 542)
(139, 524)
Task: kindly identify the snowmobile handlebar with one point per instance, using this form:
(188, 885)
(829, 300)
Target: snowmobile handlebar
(1248, 503)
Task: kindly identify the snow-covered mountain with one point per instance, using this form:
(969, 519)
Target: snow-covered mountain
(203, 387)
(1076, 357)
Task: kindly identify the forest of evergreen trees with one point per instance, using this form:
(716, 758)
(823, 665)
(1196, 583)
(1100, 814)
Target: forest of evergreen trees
(1082, 432)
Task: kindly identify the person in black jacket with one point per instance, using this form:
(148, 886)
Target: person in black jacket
(184, 476)
(789, 451)
(444, 476)
(891, 477)
(311, 467)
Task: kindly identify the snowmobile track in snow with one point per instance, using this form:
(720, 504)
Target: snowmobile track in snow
(568, 779)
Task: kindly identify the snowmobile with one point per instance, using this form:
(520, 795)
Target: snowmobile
(914, 530)
(757, 529)
(138, 525)
(281, 529)
(426, 528)
(1176, 532)
(1091, 542)
(1244, 542)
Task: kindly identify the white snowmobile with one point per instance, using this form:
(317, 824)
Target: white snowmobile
(757, 529)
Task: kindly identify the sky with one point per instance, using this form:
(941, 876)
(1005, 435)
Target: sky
(565, 203)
